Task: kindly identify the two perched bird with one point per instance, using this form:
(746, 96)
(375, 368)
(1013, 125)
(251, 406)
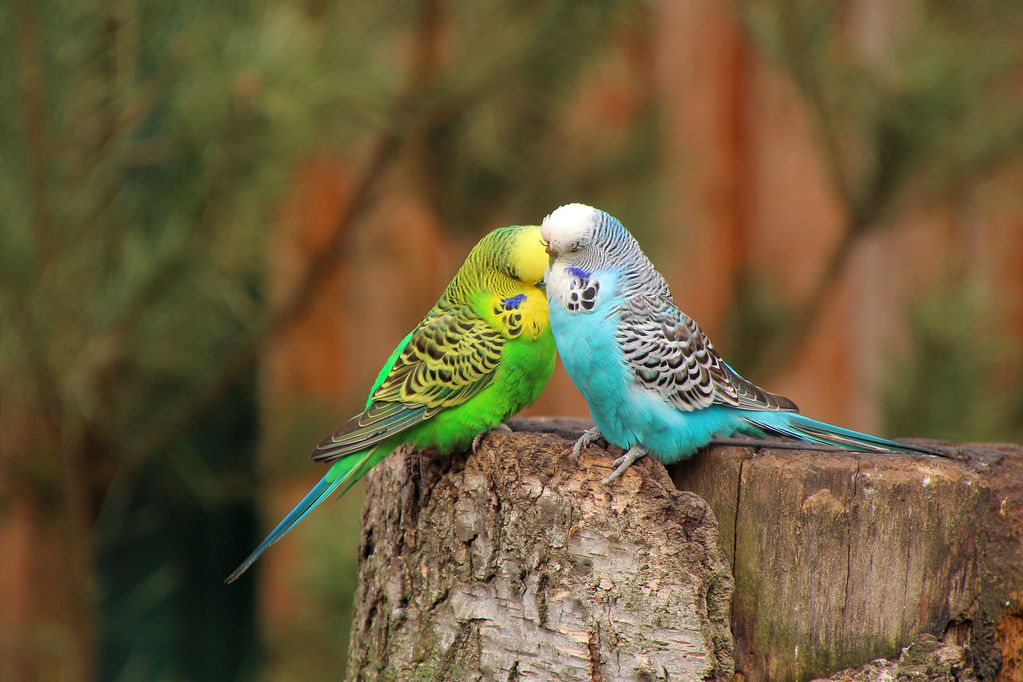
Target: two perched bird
(652, 379)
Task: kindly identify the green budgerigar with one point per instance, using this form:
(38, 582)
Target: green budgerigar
(481, 354)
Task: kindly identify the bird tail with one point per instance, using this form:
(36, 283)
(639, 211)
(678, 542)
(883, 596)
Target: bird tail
(343, 474)
(808, 430)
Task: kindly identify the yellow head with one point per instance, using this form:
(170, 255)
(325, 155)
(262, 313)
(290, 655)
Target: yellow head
(499, 280)
(517, 252)
(503, 262)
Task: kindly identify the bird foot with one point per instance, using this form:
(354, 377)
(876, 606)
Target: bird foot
(585, 440)
(479, 436)
(624, 462)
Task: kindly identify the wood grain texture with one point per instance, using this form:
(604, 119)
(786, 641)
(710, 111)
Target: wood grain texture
(843, 558)
(517, 564)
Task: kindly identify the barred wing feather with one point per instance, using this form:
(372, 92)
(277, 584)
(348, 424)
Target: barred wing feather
(448, 359)
(671, 356)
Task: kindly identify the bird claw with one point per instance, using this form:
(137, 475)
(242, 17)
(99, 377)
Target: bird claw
(585, 440)
(479, 436)
(623, 463)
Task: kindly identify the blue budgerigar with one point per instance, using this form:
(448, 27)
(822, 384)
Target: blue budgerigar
(653, 380)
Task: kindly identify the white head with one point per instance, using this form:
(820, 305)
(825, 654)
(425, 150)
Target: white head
(584, 241)
(570, 228)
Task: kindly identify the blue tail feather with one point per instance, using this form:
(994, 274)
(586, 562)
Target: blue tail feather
(809, 430)
(345, 473)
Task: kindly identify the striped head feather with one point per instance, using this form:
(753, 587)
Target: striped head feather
(506, 262)
(584, 240)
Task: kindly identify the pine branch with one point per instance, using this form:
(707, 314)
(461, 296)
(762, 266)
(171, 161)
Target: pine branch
(786, 344)
(35, 132)
(384, 153)
(245, 356)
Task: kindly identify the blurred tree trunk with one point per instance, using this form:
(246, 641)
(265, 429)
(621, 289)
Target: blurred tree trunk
(46, 542)
(46, 634)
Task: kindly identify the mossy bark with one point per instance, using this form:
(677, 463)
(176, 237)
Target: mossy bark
(842, 558)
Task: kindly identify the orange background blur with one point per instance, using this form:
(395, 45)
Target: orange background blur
(833, 190)
(741, 186)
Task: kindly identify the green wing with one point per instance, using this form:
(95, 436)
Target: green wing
(445, 361)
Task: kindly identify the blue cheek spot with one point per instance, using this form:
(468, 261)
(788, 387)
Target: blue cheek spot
(513, 302)
(579, 272)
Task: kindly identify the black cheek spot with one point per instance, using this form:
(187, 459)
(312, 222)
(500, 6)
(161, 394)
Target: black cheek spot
(587, 304)
(590, 292)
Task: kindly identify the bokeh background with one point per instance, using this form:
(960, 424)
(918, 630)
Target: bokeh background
(218, 218)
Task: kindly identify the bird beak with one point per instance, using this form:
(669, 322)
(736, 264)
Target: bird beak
(547, 247)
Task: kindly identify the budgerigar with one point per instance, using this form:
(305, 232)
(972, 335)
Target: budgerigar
(653, 381)
(481, 354)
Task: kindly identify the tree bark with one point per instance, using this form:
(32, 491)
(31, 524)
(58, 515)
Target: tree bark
(517, 564)
(923, 660)
(843, 558)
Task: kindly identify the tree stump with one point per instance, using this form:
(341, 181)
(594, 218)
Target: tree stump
(515, 563)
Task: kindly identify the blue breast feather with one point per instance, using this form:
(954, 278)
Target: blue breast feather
(625, 412)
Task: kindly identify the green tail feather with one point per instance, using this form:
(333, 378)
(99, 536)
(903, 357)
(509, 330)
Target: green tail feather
(343, 474)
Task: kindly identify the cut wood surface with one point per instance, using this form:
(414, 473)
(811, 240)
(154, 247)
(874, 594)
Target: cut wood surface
(515, 563)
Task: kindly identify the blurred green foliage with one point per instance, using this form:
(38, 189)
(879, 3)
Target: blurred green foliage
(495, 138)
(146, 146)
(959, 380)
(915, 110)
